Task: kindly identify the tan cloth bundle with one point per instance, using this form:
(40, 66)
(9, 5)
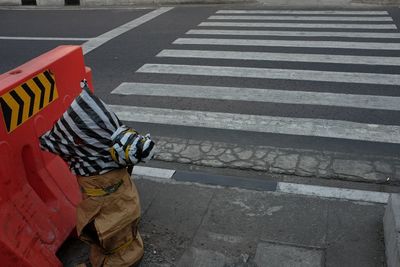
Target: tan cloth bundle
(108, 218)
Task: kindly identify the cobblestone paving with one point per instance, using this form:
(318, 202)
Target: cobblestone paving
(280, 160)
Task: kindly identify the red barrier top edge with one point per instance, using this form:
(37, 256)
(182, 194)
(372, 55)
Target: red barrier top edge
(31, 68)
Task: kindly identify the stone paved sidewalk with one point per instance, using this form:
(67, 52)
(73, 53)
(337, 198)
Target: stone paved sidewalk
(330, 3)
(195, 225)
(280, 160)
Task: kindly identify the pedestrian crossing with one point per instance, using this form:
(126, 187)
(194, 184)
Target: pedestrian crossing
(305, 12)
(386, 35)
(382, 26)
(260, 95)
(262, 124)
(285, 43)
(308, 47)
(269, 73)
(306, 18)
(266, 56)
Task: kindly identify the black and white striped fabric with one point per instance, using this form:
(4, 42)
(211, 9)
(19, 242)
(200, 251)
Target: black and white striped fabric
(128, 149)
(88, 137)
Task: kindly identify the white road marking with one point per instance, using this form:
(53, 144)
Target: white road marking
(333, 192)
(292, 57)
(264, 124)
(260, 95)
(281, 74)
(298, 33)
(306, 18)
(285, 43)
(43, 38)
(300, 25)
(152, 172)
(102, 39)
(283, 187)
(304, 12)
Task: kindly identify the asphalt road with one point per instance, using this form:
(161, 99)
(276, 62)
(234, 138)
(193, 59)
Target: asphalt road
(118, 61)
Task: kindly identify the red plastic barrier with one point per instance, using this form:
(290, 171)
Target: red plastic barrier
(38, 193)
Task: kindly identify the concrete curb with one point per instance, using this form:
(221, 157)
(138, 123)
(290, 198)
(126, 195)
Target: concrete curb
(272, 3)
(50, 2)
(391, 225)
(158, 2)
(113, 3)
(381, 2)
(257, 184)
(10, 2)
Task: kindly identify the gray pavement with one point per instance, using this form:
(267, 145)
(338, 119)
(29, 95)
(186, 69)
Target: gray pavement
(294, 138)
(391, 227)
(186, 224)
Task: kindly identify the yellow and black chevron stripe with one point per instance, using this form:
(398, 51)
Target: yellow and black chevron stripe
(24, 101)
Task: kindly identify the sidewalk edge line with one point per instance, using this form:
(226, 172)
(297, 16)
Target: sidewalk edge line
(333, 192)
(152, 172)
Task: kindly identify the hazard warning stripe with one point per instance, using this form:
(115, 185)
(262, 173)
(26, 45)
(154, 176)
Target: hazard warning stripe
(26, 100)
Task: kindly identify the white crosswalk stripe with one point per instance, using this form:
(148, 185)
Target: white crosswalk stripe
(225, 17)
(263, 124)
(346, 27)
(267, 73)
(381, 26)
(284, 43)
(296, 33)
(320, 58)
(304, 12)
(260, 95)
